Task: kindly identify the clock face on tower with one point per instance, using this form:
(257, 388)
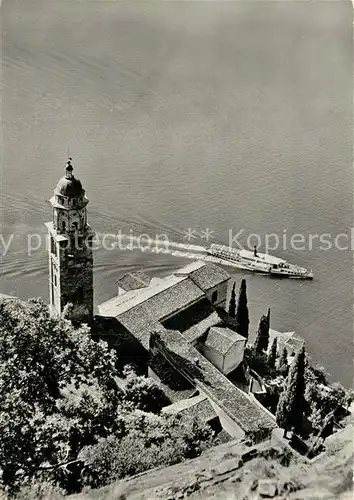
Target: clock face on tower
(70, 251)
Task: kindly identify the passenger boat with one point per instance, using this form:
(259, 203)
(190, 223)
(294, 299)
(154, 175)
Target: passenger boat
(259, 262)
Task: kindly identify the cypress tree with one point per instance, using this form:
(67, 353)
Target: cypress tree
(268, 318)
(262, 338)
(291, 403)
(258, 342)
(273, 354)
(283, 365)
(232, 303)
(242, 315)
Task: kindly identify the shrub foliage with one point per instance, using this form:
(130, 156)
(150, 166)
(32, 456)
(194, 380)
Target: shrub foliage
(291, 404)
(61, 402)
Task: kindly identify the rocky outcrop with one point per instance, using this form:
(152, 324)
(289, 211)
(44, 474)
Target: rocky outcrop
(233, 471)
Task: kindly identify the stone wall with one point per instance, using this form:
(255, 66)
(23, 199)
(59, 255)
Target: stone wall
(221, 291)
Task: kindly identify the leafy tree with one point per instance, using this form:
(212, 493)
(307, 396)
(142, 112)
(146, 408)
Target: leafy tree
(275, 385)
(283, 365)
(39, 491)
(349, 398)
(316, 417)
(59, 396)
(232, 303)
(272, 357)
(258, 362)
(144, 393)
(323, 399)
(319, 374)
(291, 404)
(58, 390)
(150, 441)
(242, 314)
(262, 338)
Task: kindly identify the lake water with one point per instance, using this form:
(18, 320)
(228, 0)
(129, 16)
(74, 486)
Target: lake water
(180, 115)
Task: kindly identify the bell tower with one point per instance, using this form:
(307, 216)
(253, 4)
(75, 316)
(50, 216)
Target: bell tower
(70, 250)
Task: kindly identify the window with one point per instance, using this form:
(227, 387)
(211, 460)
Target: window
(79, 242)
(55, 279)
(53, 246)
(214, 296)
(64, 225)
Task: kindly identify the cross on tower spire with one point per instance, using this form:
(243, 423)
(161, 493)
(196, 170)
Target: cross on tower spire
(69, 168)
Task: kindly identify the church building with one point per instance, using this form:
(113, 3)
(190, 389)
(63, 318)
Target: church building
(70, 250)
(176, 328)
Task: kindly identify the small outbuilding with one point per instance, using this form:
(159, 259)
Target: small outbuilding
(224, 348)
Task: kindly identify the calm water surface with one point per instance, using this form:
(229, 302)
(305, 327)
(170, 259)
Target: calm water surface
(187, 115)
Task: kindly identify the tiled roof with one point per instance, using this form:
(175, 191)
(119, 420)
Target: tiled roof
(290, 340)
(192, 266)
(197, 406)
(133, 281)
(196, 331)
(140, 323)
(146, 315)
(170, 294)
(294, 343)
(173, 299)
(122, 303)
(174, 384)
(143, 318)
(222, 339)
(223, 437)
(208, 276)
(142, 310)
(175, 395)
(236, 403)
(190, 317)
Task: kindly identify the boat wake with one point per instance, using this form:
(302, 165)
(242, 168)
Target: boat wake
(156, 245)
(184, 250)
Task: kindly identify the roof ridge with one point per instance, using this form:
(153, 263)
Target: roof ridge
(221, 330)
(231, 345)
(218, 388)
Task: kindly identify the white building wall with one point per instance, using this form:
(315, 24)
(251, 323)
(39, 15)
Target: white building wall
(213, 356)
(221, 294)
(234, 357)
(226, 364)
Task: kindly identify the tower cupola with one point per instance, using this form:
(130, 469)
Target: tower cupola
(68, 185)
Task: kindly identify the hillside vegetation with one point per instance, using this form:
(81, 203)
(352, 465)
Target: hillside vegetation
(229, 472)
(69, 417)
